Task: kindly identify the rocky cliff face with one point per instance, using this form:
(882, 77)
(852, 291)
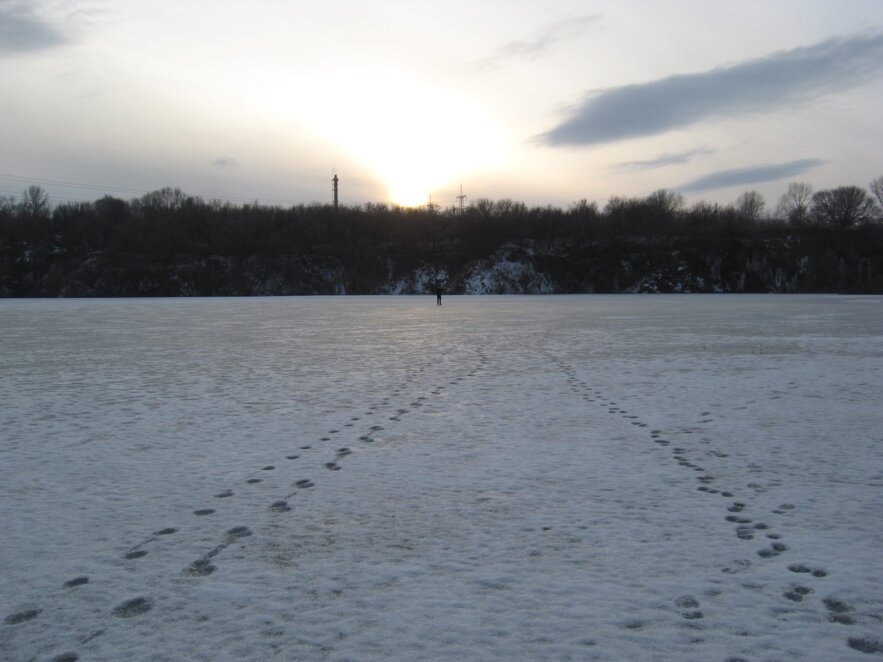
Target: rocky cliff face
(640, 265)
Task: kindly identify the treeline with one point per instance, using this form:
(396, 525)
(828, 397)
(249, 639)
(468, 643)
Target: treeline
(164, 229)
(169, 220)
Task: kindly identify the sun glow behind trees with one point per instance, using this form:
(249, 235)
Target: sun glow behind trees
(413, 137)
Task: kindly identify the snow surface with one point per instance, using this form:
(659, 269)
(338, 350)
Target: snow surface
(692, 477)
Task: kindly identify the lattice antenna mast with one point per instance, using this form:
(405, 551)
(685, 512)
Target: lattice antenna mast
(431, 206)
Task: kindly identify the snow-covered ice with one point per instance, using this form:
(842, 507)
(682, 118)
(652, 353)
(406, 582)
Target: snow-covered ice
(691, 477)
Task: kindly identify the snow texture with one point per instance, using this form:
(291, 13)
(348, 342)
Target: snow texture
(499, 478)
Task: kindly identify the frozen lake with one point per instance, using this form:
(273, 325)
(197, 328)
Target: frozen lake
(501, 478)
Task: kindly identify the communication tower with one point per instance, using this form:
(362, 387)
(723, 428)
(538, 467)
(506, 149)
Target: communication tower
(334, 181)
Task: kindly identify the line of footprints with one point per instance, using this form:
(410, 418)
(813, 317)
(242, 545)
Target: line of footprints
(745, 527)
(205, 565)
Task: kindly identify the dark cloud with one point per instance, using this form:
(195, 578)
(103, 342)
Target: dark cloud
(22, 31)
(541, 41)
(754, 175)
(766, 84)
(663, 160)
(226, 162)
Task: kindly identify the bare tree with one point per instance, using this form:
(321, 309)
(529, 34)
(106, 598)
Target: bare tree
(665, 203)
(750, 205)
(7, 206)
(877, 189)
(794, 205)
(583, 207)
(483, 207)
(166, 198)
(843, 207)
(34, 202)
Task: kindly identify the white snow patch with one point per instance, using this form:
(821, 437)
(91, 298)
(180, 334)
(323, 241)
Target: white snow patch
(506, 275)
(529, 478)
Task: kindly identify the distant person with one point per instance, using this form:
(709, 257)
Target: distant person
(438, 293)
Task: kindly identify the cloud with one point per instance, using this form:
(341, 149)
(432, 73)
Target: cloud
(22, 31)
(662, 160)
(754, 175)
(542, 40)
(226, 162)
(766, 84)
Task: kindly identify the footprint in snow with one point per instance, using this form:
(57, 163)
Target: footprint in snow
(22, 616)
(838, 611)
(800, 568)
(76, 581)
(133, 607)
(745, 532)
(869, 646)
(203, 566)
(797, 593)
(740, 565)
(773, 550)
(253, 480)
(135, 554)
(66, 657)
(688, 602)
(738, 520)
(204, 511)
(224, 494)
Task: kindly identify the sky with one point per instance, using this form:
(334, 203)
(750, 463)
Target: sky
(543, 102)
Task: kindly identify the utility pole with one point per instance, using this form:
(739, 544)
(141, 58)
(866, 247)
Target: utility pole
(334, 188)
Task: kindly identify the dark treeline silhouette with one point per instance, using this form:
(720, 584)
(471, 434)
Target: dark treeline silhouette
(167, 243)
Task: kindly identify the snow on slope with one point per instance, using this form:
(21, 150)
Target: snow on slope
(507, 273)
(643, 478)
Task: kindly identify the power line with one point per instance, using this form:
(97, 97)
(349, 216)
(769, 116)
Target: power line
(123, 190)
(67, 184)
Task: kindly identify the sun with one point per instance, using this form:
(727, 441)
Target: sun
(407, 192)
(413, 137)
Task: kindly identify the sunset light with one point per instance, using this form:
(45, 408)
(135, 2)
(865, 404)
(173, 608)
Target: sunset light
(414, 138)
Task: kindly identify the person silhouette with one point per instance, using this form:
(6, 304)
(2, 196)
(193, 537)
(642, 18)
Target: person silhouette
(438, 293)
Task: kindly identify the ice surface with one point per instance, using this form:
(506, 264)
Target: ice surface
(513, 478)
